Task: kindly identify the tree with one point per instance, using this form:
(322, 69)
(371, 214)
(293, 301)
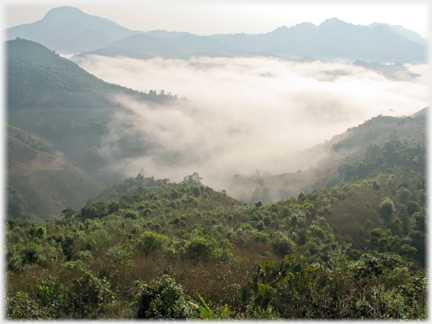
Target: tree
(193, 179)
(386, 209)
(68, 212)
(162, 298)
(151, 242)
(196, 191)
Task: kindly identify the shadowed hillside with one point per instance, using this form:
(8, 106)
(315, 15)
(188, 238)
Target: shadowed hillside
(47, 183)
(51, 97)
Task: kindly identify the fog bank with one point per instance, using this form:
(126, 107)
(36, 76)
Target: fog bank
(243, 114)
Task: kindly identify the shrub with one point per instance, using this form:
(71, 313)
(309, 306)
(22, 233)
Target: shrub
(151, 242)
(113, 206)
(21, 306)
(199, 249)
(196, 191)
(87, 296)
(162, 298)
(131, 215)
(386, 209)
(30, 252)
(282, 245)
(246, 227)
(260, 237)
(40, 231)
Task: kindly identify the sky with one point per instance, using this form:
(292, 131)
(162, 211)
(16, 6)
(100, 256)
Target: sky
(213, 17)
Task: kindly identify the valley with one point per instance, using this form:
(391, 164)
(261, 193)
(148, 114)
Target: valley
(255, 183)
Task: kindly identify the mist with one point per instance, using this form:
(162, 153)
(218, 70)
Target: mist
(243, 114)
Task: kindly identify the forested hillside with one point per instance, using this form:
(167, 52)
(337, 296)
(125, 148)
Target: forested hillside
(53, 98)
(40, 184)
(61, 112)
(148, 248)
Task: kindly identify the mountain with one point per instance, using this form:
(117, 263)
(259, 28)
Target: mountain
(333, 39)
(167, 34)
(144, 46)
(69, 30)
(409, 34)
(53, 98)
(46, 183)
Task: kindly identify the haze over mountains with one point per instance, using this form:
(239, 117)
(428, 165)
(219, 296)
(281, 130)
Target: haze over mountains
(253, 175)
(68, 30)
(245, 109)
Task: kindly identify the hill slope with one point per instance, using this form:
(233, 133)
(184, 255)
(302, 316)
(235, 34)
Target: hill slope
(47, 184)
(51, 97)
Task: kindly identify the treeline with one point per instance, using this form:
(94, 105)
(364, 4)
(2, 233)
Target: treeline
(149, 248)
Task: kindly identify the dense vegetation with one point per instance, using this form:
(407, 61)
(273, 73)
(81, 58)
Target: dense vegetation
(40, 184)
(148, 248)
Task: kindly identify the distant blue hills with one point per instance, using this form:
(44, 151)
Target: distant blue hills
(68, 30)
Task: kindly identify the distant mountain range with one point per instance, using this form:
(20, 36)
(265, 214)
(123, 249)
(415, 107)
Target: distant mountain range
(68, 30)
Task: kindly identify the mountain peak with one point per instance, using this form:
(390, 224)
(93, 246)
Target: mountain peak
(281, 29)
(64, 11)
(332, 21)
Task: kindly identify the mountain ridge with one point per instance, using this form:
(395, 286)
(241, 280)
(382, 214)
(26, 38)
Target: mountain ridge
(79, 32)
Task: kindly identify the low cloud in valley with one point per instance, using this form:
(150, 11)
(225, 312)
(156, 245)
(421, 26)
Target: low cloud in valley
(243, 114)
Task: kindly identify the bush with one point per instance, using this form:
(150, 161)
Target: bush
(282, 245)
(151, 242)
(260, 237)
(162, 298)
(87, 296)
(196, 191)
(386, 209)
(21, 306)
(131, 215)
(199, 249)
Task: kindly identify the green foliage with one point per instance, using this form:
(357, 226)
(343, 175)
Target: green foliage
(209, 248)
(162, 299)
(16, 205)
(87, 296)
(207, 313)
(387, 209)
(367, 289)
(199, 249)
(22, 306)
(151, 242)
(282, 245)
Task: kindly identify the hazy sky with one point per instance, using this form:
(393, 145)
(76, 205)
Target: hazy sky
(212, 17)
